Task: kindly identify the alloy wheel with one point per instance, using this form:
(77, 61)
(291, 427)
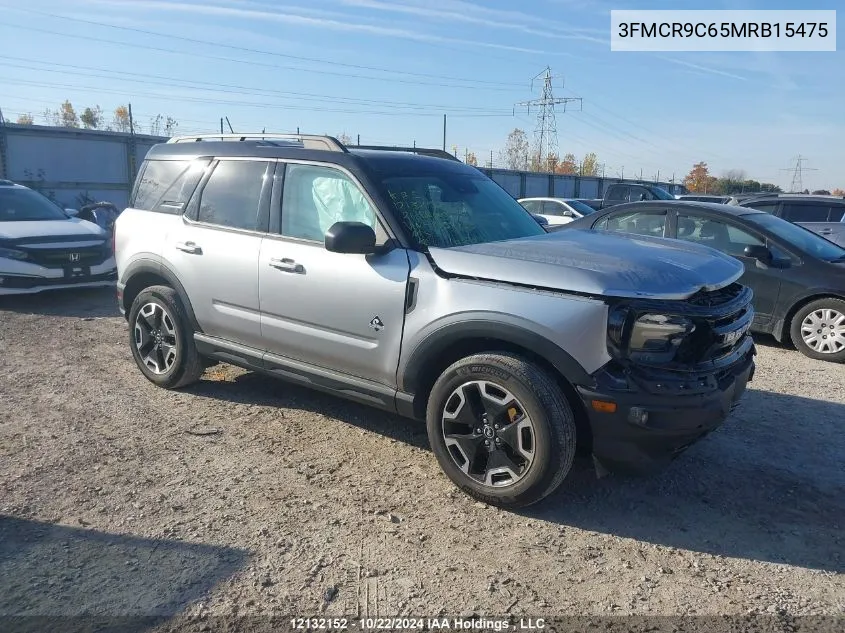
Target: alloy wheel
(488, 433)
(155, 338)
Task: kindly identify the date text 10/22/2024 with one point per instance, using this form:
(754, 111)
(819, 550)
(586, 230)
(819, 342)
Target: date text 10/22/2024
(408, 624)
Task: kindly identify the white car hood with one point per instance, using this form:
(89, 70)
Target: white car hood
(51, 230)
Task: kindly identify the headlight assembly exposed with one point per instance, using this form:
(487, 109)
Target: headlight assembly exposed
(648, 338)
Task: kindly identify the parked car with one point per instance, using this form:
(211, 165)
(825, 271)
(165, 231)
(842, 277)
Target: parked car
(43, 248)
(418, 285)
(619, 193)
(556, 210)
(704, 198)
(798, 278)
(824, 215)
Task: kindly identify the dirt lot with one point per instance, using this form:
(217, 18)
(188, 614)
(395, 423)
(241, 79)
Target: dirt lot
(118, 497)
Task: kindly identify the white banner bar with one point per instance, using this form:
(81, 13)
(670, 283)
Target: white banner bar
(676, 31)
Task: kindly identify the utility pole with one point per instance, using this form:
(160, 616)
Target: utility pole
(491, 159)
(545, 134)
(444, 132)
(359, 139)
(231, 129)
(797, 185)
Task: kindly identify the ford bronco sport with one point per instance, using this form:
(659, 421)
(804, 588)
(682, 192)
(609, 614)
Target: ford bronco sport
(412, 282)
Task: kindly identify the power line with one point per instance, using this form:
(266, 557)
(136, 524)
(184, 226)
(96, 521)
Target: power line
(247, 49)
(234, 89)
(90, 38)
(247, 104)
(545, 134)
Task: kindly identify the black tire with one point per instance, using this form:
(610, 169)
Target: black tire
(553, 434)
(185, 365)
(837, 306)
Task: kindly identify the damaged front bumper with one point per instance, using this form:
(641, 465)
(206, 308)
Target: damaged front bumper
(642, 418)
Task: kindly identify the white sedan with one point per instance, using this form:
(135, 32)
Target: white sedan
(43, 248)
(557, 210)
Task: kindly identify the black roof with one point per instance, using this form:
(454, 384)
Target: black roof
(379, 160)
(713, 207)
(773, 197)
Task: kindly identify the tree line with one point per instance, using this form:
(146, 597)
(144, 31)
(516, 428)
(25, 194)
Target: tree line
(93, 118)
(517, 155)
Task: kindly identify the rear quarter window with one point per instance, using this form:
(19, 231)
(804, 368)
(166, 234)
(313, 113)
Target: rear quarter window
(165, 186)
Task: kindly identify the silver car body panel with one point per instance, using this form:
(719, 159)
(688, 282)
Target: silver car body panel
(596, 263)
(576, 324)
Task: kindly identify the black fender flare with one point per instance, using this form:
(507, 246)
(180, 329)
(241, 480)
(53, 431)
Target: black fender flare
(149, 266)
(440, 340)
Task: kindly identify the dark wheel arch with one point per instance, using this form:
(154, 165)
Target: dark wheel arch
(438, 343)
(144, 273)
(446, 345)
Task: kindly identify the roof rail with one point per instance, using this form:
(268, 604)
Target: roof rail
(308, 141)
(423, 151)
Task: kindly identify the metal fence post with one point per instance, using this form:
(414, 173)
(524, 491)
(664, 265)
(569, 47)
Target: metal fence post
(4, 170)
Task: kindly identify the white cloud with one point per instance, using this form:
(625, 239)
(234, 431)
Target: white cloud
(294, 16)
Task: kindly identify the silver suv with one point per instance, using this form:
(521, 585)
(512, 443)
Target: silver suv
(409, 281)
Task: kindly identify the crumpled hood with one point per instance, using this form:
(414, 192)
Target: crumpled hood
(596, 262)
(73, 228)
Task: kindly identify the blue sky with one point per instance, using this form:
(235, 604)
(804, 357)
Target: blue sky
(389, 69)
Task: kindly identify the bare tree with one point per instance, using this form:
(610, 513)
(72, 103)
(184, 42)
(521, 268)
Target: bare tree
(25, 119)
(121, 119)
(515, 154)
(67, 115)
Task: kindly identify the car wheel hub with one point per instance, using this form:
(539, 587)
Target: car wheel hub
(823, 331)
(155, 338)
(488, 434)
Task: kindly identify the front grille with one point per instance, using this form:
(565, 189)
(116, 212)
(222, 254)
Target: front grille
(68, 256)
(721, 327)
(24, 283)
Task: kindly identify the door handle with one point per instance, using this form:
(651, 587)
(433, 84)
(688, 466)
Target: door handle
(287, 265)
(826, 231)
(189, 247)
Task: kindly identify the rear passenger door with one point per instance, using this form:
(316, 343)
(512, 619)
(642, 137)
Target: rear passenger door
(341, 312)
(214, 251)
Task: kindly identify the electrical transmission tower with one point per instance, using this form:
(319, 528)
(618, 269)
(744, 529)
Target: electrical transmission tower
(545, 134)
(797, 185)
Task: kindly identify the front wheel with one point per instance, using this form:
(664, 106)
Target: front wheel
(501, 429)
(818, 330)
(162, 339)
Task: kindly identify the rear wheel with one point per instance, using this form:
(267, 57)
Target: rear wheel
(501, 429)
(162, 340)
(818, 330)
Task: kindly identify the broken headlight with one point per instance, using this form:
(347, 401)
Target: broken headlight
(646, 338)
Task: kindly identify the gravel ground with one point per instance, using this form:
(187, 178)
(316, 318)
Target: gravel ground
(246, 495)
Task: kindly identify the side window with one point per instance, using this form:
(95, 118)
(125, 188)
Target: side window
(617, 193)
(652, 223)
(768, 207)
(837, 213)
(554, 208)
(640, 193)
(316, 197)
(724, 237)
(232, 194)
(165, 186)
(532, 206)
(805, 212)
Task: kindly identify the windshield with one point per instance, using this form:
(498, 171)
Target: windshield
(803, 239)
(24, 205)
(580, 207)
(458, 209)
(661, 194)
